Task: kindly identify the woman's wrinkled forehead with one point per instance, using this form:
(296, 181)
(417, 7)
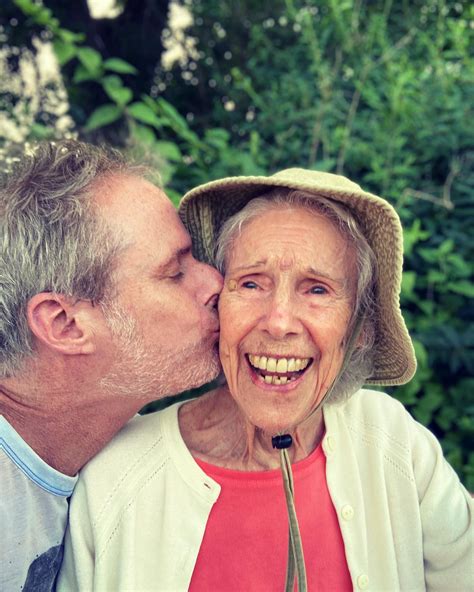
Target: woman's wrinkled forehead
(289, 239)
(285, 228)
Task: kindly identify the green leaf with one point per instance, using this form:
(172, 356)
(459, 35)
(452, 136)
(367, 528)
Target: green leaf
(429, 255)
(172, 114)
(463, 287)
(112, 81)
(41, 132)
(446, 247)
(69, 36)
(90, 59)
(143, 134)
(150, 102)
(169, 150)
(427, 306)
(82, 74)
(412, 235)
(40, 14)
(143, 113)
(116, 91)
(121, 96)
(27, 7)
(217, 137)
(120, 66)
(64, 51)
(408, 283)
(436, 277)
(103, 115)
(420, 353)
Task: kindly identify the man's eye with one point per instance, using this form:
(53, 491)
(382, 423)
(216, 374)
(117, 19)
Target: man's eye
(177, 276)
(249, 285)
(318, 290)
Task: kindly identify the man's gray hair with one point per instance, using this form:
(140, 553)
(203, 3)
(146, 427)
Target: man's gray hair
(52, 238)
(360, 364)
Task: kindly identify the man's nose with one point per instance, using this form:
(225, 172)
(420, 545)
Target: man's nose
(281, 318)
(212, 283)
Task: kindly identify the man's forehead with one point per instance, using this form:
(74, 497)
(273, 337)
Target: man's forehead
(142, 217)
(111, 189)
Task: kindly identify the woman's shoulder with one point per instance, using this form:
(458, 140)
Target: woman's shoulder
(369, 402)
(136, 448)
(374, 416)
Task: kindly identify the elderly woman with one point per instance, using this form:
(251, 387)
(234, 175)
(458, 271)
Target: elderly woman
(289, 467)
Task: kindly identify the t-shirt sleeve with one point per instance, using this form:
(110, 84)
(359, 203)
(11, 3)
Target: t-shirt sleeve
(33, 515)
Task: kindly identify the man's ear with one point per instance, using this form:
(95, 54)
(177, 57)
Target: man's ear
(61, 323)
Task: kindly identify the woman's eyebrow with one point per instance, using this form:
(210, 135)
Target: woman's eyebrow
(318, 272)
(249, 266)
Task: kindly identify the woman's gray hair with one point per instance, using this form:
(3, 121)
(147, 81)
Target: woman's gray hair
(360, 364)
(52, 238)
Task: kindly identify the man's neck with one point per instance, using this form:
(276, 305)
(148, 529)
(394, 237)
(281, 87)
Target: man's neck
(65, 436)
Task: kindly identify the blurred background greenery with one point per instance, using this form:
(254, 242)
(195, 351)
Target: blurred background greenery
(380, 91)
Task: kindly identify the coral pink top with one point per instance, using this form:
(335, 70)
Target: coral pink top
(245, 545)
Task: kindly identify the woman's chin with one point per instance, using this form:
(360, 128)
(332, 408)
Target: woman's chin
(275, 427)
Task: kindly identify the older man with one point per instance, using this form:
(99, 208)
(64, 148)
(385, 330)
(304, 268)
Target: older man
(103, 309)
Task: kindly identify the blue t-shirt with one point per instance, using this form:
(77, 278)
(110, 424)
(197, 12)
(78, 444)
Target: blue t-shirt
(33, 515)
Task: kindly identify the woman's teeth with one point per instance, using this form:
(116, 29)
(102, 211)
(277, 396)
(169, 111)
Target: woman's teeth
(268, 368)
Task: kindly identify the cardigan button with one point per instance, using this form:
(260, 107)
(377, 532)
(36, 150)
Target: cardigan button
(363, 582)
(347, 512)
(328, 445)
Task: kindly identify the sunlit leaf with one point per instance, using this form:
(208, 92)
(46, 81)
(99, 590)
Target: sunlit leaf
(143, 113)
(169, 150)
(64, 51)
(103, 115)
(90, 58)
(120, 66)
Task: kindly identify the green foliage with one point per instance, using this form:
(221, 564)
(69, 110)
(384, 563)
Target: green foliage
(379, 91)
(382, 92)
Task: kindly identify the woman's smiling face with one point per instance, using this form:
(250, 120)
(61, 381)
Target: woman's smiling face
(285, 308)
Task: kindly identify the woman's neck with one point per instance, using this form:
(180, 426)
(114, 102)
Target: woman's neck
(215, 430)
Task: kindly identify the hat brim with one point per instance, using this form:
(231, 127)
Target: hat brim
(204, 209)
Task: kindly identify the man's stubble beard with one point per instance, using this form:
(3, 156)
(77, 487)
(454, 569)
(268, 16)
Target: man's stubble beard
(138, 373)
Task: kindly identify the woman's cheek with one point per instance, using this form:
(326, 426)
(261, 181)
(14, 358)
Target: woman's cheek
(224, 349)
(230, 364)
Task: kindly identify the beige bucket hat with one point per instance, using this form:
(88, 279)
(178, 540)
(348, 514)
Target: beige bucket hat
(204, 209)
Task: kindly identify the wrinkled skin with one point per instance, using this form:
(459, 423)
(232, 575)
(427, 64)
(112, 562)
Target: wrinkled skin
(288, 291)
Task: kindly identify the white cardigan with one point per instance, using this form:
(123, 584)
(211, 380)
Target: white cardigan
(140, 508)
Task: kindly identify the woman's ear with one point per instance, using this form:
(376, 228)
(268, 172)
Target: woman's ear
(62, 323)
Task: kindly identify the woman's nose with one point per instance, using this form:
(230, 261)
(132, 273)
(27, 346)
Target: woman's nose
(281, 318)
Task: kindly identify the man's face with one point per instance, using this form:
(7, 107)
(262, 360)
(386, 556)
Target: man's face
(162, 320)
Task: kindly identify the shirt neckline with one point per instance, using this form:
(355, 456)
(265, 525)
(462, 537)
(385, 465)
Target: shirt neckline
(298, 468)
(31, 464)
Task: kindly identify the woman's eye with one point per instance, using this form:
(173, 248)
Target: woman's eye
(318, 290)
(249, 285)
